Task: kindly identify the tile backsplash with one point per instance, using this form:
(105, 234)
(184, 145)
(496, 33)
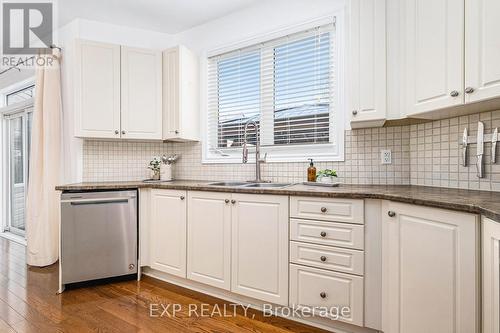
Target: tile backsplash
(423, 154)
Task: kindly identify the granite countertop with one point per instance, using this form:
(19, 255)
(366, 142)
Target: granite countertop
(479, 202)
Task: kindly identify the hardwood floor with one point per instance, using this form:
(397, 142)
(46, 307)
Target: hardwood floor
(29, 303)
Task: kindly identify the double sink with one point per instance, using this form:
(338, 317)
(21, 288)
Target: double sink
(250, 184)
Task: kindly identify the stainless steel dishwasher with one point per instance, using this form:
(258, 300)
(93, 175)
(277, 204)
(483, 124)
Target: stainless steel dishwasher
(98, 235)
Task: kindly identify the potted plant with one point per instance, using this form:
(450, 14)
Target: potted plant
(326, 176)
(154, 166)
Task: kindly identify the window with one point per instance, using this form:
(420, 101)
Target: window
(288, 87)
(20, 95)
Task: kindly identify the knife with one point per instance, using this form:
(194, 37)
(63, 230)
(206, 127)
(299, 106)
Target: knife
(480, 149)
(464, 147)
(494, 139)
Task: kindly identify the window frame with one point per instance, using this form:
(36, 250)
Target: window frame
(333, 151)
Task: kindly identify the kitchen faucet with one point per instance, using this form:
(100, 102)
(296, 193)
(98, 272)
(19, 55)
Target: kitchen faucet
(258, 160)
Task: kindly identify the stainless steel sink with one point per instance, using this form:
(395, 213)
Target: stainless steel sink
(268, 185)
(228, 184)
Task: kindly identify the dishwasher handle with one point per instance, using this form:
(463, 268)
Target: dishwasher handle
(96, 201)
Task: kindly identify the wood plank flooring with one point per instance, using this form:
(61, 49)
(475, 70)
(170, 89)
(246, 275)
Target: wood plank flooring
(29, 303)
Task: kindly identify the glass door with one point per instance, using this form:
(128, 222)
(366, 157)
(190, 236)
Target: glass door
(17, 156)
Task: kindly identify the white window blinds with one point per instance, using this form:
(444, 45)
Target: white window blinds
(285, 85)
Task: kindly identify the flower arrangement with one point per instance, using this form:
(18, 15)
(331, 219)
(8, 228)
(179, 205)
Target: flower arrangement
(326, 176)
(154, 165)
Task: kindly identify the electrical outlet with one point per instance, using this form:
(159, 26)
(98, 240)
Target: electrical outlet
(385, 156)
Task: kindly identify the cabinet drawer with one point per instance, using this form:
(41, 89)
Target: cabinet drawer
(328, 233)
(327, 257)
(312, 287)
(340, 210)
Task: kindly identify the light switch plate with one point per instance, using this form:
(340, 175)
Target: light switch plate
(385, 156)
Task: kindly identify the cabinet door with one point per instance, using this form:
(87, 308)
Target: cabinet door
(141, 96)
(430, 270)
(168, 231)
(97, 90)
(368, 61)
(209, 238)
(171, 89)
(434, 54)
(260, 247)
(482, 49)
(491, 276)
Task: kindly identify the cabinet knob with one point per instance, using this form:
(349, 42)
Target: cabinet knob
(176, 132)
(391, 213)
(323, 209)
(117, 132)
(469, 90)
(454, 93)
(233, 201)
(322, 294)
(323, 234)
(226, 201)
(322, 258)
(123, 132)
(354, 112)
(182, 197)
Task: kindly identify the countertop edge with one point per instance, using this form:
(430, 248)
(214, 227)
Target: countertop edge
(290, 191)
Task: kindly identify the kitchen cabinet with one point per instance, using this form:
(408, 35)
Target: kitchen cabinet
(429, 270)
(141, 93)
(491, 275)
(209, 238)
(118, 92)
(434, 54)
(482, 50)
(260, 247)
(368, 63)
(180, 95)
(168, 231)
(97, 90)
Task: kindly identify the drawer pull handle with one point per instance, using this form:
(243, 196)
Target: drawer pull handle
(233, 201)
(183, 197)
(226, 201)
(323, 258)
(391, 213)
(323, 209)
(323, 234)
(322, 294)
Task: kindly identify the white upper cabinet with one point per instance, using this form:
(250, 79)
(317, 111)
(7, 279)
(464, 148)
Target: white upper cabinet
(434, 54)
(141, 93)
(180, 95)
(97, 90)
(429, 270)
(482, 50)
(118, 92)
(368, 63)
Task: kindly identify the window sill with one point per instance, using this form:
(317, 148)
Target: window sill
(320, 153)
(13, 237)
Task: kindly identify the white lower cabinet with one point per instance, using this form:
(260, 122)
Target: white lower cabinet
(429, 270)
(321, 289)
(209, 238)
(168, 231)
(260, 247)
(491, 276)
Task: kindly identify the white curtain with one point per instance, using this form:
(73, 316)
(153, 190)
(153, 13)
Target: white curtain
(42, 203)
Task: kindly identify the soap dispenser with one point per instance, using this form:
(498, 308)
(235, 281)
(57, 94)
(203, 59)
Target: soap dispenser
(311, 172)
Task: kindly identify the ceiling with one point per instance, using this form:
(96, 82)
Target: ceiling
(167, 16)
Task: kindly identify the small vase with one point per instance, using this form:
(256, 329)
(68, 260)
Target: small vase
(155, 175)
(325, 179)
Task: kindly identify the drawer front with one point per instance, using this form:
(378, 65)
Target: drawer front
(339, 210)
(312, 287)
(327, 257)
(328, 233)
